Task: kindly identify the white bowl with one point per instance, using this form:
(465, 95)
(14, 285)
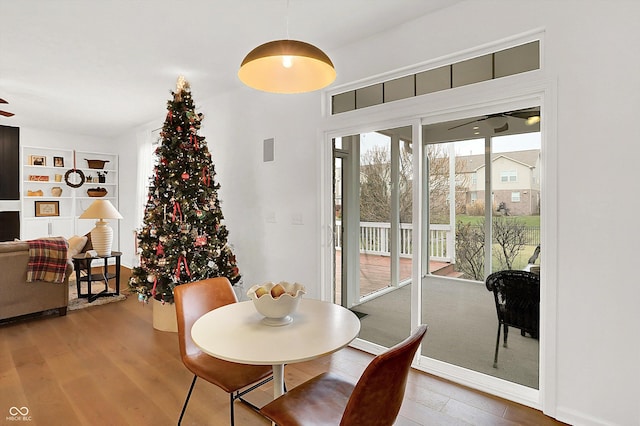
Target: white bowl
(277, 311)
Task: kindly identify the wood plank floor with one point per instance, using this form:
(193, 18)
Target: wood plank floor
(106, 365)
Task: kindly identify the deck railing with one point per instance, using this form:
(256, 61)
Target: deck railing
(375, 239)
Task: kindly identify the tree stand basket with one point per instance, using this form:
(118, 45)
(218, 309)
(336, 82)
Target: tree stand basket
(164, 316)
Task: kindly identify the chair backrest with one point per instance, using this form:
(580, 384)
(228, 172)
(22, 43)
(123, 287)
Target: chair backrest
(378, 395)
(517, 298)
(196, 299)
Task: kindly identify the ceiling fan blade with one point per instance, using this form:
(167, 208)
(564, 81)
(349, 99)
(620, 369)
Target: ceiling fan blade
(2, 101)
(468, 122)
(6, 114)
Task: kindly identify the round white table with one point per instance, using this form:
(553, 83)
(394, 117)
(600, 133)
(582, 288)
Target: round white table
(236, 333)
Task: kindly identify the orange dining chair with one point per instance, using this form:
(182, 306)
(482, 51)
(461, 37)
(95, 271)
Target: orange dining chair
(192, 301)
(327, 399)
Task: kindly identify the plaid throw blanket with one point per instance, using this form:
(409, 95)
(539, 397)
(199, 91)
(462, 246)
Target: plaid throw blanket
(47, 260)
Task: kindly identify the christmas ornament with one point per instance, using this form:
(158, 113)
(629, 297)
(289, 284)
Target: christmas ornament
(185, 176)
(201, 240)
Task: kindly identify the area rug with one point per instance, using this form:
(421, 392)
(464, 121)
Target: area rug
(96, 287)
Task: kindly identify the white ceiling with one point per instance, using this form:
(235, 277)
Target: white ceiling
(103, 67)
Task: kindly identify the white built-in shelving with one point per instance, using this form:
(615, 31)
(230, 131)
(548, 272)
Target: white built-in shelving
(43, 170)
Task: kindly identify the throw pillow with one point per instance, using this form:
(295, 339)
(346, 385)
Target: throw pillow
(76, 245)
(89, 245)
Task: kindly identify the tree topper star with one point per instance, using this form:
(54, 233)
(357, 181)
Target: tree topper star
(182, 85)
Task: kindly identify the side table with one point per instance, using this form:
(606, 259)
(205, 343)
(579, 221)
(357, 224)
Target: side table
(81, 262)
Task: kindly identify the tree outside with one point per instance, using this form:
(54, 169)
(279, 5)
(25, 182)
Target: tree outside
(509, 243)
(509, 233)
(375, 185)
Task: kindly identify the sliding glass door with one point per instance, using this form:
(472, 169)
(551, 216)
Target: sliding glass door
(373, 255)
(480, 203)
(483, 190)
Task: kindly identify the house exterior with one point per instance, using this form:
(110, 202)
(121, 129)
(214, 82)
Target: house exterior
(516, 180)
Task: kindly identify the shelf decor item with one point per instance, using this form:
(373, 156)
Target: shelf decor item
(96, 164)
(97, 192)
(37, 160)
(102, 234)
(74, 177)
(47, 208)
(38, 178)
(58, 161)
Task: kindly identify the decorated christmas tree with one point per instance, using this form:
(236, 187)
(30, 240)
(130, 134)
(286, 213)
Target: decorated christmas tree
(183, 238)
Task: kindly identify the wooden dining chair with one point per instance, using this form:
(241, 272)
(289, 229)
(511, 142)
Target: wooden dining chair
(328, 399)
(192, 301)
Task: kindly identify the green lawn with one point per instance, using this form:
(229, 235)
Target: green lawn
(475, 220)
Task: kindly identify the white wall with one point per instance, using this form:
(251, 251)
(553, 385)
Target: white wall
(590, 49)
(129, 145)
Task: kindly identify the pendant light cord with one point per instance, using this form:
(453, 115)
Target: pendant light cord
(287, 20)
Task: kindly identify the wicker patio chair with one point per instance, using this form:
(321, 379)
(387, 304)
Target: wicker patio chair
(517, 299)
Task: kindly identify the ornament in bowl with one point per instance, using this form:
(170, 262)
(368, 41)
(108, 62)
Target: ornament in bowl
(276, 302)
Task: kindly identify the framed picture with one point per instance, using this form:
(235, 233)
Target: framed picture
(37, 160)
(58, 161)
(47, 208)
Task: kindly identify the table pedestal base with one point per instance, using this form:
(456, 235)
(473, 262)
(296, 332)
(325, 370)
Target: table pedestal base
(278, 380)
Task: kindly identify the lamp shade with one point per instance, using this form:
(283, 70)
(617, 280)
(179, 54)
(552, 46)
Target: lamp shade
(287, 66)
(101, 209)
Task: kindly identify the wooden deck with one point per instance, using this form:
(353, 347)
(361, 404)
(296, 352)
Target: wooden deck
(375, 272)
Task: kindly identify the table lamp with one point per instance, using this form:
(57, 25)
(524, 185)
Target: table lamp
(102, 234)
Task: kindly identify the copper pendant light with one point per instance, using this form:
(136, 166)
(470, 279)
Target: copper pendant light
(287, 66)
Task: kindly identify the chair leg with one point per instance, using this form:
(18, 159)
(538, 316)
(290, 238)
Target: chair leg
(239, 396)
(506, 334)
(231, 399)
(495, 357)
(186, 401)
